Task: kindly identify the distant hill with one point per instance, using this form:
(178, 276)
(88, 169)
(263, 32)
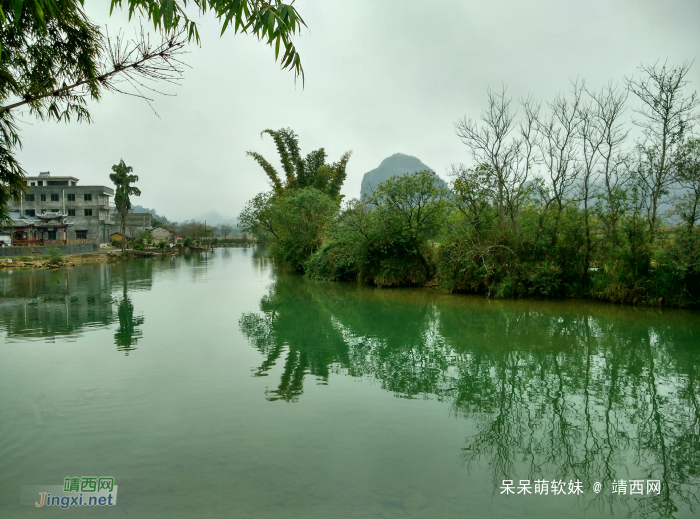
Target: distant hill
(397, 164)
(215, 218)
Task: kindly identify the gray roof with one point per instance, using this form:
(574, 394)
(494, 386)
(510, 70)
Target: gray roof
(39, 220)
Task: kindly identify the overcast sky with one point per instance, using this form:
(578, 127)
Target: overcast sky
(382, 76)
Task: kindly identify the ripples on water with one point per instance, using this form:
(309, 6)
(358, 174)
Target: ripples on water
(543, 390)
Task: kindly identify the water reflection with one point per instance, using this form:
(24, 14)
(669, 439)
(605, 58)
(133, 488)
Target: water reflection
(127, 335)
(41, 304)
(562, 390)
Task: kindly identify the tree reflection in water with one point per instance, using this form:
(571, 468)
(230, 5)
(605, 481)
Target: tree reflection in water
(127, 335)
(556, 390)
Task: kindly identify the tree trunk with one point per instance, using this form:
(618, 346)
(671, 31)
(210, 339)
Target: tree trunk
(123, 232)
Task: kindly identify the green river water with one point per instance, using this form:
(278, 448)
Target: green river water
(214, 386)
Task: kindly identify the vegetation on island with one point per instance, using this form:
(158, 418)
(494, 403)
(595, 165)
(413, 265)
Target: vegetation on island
(296, 215)
(560, 201)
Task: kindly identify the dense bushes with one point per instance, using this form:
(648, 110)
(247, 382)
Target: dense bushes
(413, 233)
(558, 204)
(292, 223)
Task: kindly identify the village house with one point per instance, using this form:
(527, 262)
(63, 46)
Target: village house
(56, 210)
(162, 234)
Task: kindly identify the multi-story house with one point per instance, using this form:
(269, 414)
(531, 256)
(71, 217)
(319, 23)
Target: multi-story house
(86, 209)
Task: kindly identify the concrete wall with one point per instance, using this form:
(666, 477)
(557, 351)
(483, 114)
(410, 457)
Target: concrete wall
(98, 225)
(31, 252)
(135, 223)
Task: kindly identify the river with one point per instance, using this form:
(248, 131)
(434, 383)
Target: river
(213, 385)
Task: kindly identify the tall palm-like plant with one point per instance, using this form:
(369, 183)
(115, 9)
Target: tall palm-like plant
(123, 179)
(311, 171)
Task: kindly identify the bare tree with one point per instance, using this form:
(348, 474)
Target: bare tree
(225, 229)
(504, 146)
(609, 105)
(602, 160)
(667, 115)
(559, 148)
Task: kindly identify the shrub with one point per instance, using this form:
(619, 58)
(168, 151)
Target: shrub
(55, 256)
(138, 246)
(188, 241)
(333, 263)
(145, 237)
(162, 244)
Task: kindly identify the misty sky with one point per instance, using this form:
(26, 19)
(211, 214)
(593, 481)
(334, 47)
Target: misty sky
(382, 76)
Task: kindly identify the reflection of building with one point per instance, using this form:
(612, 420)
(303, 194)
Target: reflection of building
(86, 210)
(39, 303)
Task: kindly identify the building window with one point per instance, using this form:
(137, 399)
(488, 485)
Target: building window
(81, 235)
(54, 198)
(87, 197)
(40, 183)
(52, 235)
(30, 198)
(54, 210)
(29, 212)
(43, 198)
(71, 212)
(88, 212)
(71, 197)
(32, 183)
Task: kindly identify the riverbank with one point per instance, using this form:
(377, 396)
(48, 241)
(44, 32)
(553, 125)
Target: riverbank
(98, 256)
(74, 260)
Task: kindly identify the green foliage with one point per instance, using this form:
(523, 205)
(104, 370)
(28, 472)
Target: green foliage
(333, 262)
(273, 22)
(386, 240)
(138, 246)
(299, 222)
(145, 237)
(55, 256)
(162, 244)
(116, 243)
(188, 241)
(123, 179)
(257, 217)
(300, 173)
